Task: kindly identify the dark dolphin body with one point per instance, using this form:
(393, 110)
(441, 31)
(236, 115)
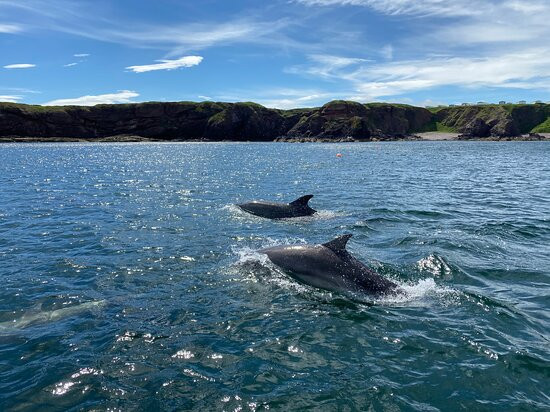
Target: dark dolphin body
(280, 210)
(329, 266)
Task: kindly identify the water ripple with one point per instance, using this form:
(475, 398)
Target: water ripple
(132, 282)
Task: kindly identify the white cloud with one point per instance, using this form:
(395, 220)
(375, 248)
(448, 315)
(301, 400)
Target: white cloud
(70, 64)
(19, 66)
(325, 65)
(525, 70)
(90, 20)
(204, 97)
(335, 61)
(473, 21)
(296, 101)
(122, 96)
(10, 28)
(481, 44)
(81, 55)
(415, 7)
(18, 90)
(186, 61)
(281, 98)
(370, 81)
(10, 98)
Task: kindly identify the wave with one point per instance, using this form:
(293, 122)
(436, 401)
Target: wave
(415, 213)
(421, 293)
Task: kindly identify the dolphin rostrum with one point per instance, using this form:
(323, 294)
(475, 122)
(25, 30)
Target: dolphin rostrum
(329, 266)
(271, 210)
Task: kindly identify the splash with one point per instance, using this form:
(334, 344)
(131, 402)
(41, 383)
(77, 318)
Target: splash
(320, 215)
(422, 293)
(248, 254)
(434, 265)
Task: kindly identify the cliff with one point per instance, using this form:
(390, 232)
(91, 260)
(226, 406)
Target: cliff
(250, 121)
(495, 120)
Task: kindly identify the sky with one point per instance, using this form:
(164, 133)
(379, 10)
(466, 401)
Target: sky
(279, 53)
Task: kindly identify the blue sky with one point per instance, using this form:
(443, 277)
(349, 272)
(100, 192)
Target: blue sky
(280, 53)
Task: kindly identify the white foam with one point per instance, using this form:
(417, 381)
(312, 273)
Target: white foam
(248, 254)
(435, 265)
(320, 215)
(421, 293)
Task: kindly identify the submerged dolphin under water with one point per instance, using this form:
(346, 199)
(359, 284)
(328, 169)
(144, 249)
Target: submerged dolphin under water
(36, 317)
(271, 210)
(331, 267)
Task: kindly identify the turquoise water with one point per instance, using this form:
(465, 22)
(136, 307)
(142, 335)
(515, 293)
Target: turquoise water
(131, 282)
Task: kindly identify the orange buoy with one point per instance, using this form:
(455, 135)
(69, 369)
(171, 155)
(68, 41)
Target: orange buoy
(338, 154)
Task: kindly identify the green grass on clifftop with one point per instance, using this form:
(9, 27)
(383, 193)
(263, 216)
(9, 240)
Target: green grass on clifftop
(543, 127)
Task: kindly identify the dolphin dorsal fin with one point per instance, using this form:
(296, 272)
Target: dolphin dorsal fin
(338, 244)
(301, 201)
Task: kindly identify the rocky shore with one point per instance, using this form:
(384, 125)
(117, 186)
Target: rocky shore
(336, 121)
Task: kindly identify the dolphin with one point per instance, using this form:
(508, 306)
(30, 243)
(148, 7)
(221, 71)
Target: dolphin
(271, 210)
(29, 319)
(331, 267)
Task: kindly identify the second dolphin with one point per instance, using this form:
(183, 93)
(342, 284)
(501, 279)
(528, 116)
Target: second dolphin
(272, 210)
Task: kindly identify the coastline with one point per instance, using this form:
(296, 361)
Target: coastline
(336, 121)
(418, 137)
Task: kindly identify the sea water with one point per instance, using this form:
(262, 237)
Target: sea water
(131, 281)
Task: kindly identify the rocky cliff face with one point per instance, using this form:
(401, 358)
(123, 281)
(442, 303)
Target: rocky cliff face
(493, 120)
(250, 121)
(339, 119)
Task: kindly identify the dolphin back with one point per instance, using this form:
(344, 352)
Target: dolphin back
(271, 210)
(329, 266)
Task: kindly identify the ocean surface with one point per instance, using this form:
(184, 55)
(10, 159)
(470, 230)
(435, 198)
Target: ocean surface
(130, 281)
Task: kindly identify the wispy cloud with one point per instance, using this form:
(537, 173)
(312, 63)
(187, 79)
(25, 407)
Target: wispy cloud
(298, 100)
(70, 64)
(10, 28)
(81, 55)
(186, 61)
(525, 70)
(18, 90)
(122, 96)
(466, 21)
(482, 44)
(10, 98)
(19, 66)
(325, 66)
(89, 20)
(280, 98)
(413, 7)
